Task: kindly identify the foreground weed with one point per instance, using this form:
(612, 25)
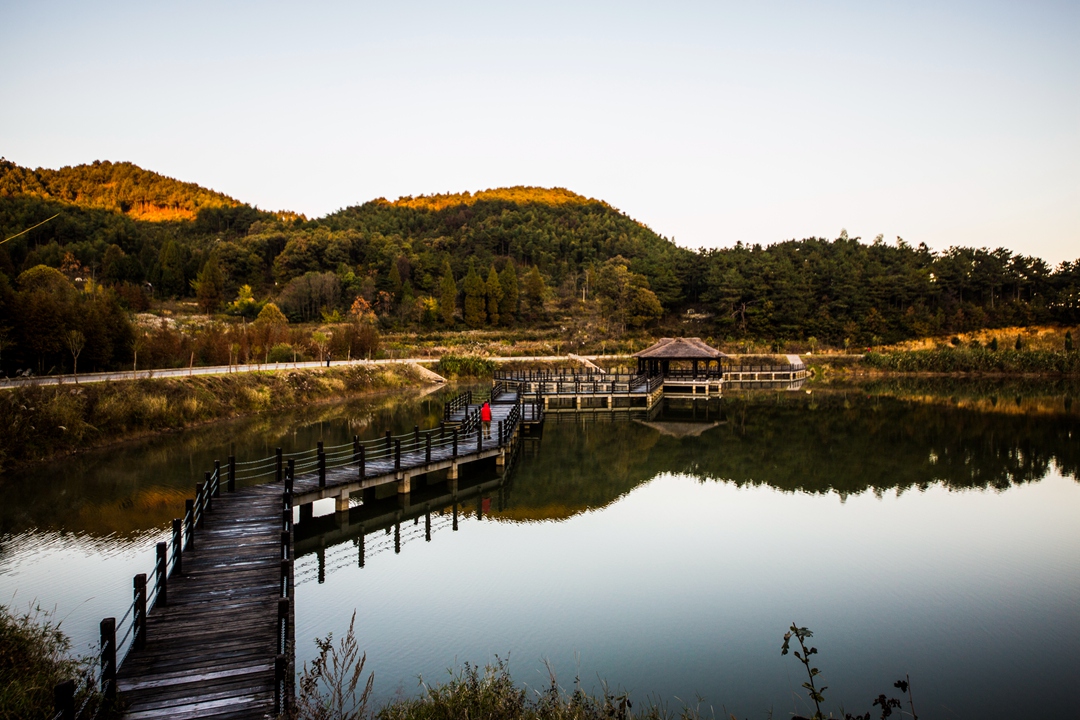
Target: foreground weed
(328, 687)
(885, 704)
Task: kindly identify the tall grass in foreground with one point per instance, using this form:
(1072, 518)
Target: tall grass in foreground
(34, 658)
(328, 692)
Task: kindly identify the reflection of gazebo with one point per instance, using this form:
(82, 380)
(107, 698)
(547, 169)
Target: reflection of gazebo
(681, 357)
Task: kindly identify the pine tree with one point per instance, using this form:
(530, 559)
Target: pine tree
(508, 308)
(395, 280)
(447, 295)
(493, 291)
(210, 285)
(474, 299)
(534, 291)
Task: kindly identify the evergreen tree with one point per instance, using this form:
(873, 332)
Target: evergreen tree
(395, 280)
(534, 291)
(494, 292)
(210, 285)
(474, 298)
(508, 308)
(171, 262)
(447, 295)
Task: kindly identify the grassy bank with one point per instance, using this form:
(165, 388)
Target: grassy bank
(41, 422)
(976, 360)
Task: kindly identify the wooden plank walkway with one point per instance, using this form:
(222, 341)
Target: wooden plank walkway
(210, 651)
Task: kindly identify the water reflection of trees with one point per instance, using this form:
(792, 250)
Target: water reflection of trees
(140, 485)
(847, 442)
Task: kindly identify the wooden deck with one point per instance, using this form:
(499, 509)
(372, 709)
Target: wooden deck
(210, 651)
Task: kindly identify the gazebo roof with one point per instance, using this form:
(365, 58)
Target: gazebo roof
(680, 349)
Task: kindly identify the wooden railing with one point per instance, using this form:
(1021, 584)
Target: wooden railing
(456, 403)
(280, 466)
(119, 637)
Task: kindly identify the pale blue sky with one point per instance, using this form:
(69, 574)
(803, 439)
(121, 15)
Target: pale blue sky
(944, 123)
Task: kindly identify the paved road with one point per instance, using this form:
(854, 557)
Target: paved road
(227, 369)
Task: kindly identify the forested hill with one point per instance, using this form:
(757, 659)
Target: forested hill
(119, 187)
(519, 256)
(558, 231)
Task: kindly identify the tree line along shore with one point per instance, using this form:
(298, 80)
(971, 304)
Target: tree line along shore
(108, 266)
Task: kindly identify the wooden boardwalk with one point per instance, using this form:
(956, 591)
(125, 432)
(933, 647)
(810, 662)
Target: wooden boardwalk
(210, 650)
(218, 642)
(426, 452)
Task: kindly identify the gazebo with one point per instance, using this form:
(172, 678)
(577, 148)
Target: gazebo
(691, 357)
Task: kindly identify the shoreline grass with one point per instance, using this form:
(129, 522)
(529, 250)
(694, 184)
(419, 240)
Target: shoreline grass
(41, 422)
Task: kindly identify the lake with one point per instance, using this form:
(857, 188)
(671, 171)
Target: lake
(921, 528)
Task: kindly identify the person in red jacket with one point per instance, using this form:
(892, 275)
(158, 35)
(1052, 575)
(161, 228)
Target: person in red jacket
(485, 419)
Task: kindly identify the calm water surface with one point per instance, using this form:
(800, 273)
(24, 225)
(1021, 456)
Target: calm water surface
(917, 529)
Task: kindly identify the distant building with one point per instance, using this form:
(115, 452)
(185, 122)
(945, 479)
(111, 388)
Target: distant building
(681, 357)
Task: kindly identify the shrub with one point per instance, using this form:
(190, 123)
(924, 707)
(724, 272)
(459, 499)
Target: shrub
(465, 366)
(283, 352)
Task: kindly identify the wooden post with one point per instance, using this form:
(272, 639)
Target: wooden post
(286, 519)
(232, 473)
(397, 537)
(217, 478)
(108, 658)
(290, 476)
(455, 442)
(360, 542)
(162, 572)
(455, 517)
(479, 438)
(362, 462)
(416, 435)
(64, 700)
(277, 464)
(189, 518)
(500, 433)
(177, 545)
(322, 467)
(427, 447)
(427, 525)
(388, 442)
(397, 455)
(138, 616)
(286, 538)
(281, 666)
